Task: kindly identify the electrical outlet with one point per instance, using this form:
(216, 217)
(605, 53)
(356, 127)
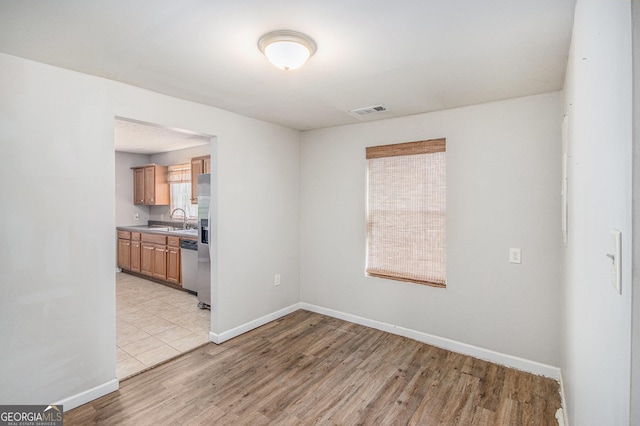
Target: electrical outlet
(515, 255)
(136, 216)
(276, 280)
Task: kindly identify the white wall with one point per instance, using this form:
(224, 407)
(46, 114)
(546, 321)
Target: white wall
(57, 244)
(635, 314)
(598, 88)
(125, 209)
(503, 183)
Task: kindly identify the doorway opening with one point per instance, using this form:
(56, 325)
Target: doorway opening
(157, 318)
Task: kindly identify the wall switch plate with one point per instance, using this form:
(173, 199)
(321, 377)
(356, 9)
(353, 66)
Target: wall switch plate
(515, 255)
(276, 280)
(615, 243)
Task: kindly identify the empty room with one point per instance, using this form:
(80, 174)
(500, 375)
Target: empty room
(411, 212)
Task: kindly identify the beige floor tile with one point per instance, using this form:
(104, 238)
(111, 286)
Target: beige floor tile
(130, 337)
(121, 355)
(149, 316)
(186, 305)
(184, 318)
(150, 304)
(186, 343)
(124, 327)
(137, 316)
(168, 312)
(127, 367)
(198, 327)
(124, 308)
(133, 299)
(143, 345)
(155, 325)
(157, 355)
(172, 334)
(204, 313)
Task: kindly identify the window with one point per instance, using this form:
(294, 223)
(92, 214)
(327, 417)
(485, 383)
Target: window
(406, 192)
(179, 179)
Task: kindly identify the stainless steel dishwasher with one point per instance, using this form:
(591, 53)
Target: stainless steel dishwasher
(189, 256)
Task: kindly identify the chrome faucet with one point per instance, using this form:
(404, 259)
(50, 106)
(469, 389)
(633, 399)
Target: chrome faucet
(184, 214)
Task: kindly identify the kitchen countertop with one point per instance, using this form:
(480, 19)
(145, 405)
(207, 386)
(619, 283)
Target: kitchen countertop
(161, 229)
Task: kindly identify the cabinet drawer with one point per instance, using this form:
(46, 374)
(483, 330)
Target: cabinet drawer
(135, 236)
(154, 238)
(125, 235)
(173, 241)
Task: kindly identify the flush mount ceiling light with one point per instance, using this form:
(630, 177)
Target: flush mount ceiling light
(287, 49)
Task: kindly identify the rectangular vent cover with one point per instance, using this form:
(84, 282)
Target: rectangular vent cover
(368, 110)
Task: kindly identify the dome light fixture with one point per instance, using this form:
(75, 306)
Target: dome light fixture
(287, 49)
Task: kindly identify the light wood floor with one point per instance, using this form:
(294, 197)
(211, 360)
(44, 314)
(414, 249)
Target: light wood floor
(311, 369)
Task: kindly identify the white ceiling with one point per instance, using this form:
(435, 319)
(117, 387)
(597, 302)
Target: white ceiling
(145, 138)
(412, 56)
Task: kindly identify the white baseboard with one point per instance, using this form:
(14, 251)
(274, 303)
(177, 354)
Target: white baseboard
(234, 332)
(89, 395)
(563, 418)
(442, 342)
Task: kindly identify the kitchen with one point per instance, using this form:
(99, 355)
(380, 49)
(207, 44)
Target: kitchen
(162, 302)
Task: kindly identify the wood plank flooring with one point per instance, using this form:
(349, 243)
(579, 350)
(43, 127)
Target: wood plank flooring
(308, 368)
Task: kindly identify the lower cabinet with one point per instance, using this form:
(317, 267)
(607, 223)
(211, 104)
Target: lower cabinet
(173, 260)
(124, 253)
(153, 260)
(154, 255)
(135, 255)
(159, 262)
(146, 258)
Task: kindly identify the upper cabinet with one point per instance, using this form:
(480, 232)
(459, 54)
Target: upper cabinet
(138, 186)
(199, 165)
(150, 185)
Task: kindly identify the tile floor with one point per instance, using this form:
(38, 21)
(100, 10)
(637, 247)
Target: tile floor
(154, 323)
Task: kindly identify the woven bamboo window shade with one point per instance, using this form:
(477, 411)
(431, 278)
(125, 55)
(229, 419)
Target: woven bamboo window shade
(179, 173)
(406, 212)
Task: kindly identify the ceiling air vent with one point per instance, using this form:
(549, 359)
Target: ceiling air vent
(360, 112)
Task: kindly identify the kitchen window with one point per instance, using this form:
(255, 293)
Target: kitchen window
(406, 206)
(179, 179)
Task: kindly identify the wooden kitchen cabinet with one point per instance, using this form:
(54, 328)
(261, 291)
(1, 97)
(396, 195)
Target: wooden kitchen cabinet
(138, 186)
(135, 255)
(152, 254)
(150, 186)
(153, 260)
(146, 258)
(160, 262)
(199, 165)
(153, 257)
(124, 253)
(173, 260)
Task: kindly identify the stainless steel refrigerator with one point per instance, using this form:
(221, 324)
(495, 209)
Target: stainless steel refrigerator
(203, 282)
